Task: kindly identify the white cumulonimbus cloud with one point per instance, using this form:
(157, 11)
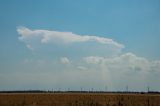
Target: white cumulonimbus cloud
(122, 61)
(92, 59)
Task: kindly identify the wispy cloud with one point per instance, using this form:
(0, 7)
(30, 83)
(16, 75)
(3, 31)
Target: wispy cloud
(46, 36)
(81, 68)
(29, 47)
(65, 60)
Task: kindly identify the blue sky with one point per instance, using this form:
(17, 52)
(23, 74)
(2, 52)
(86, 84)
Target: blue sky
(133, 24)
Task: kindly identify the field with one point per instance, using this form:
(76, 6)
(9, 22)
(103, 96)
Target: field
(78, 99)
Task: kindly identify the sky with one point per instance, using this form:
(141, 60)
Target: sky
(74, 44)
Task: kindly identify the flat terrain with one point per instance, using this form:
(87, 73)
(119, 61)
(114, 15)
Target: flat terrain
(78, 99)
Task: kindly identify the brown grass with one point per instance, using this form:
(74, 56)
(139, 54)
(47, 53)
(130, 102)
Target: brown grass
(78, 99)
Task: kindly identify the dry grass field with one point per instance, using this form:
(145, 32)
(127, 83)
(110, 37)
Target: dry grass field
(78, 99)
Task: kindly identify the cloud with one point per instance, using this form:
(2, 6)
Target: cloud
(30, 47)
(65, 60)
(91, 61)
(94, 59)
(46, 36)
(81, 68)
(124, 62)
(125, 69)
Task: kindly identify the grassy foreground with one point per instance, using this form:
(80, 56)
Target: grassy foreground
(78, 99)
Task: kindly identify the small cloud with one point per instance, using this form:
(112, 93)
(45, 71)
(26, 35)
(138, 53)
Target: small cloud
(41, 62)
(81, 68)
(30, 47)
(27, 61)
(93, 59)
(65, 60)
